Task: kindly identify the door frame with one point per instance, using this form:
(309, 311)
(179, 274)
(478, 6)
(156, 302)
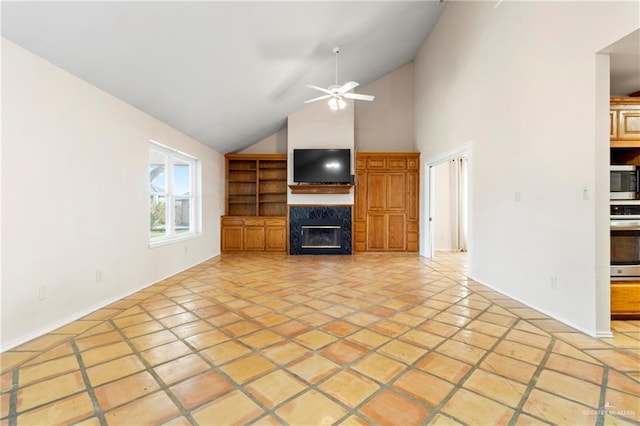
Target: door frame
(428, 197)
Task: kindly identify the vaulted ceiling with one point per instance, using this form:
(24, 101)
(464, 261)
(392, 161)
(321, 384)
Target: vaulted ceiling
(225, 73)
(229, 73)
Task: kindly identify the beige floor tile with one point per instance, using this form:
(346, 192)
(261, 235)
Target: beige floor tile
(349, 387)
(620, 360)
(311, 408)
(520, 352)
(381, 339)
(201, 388)
(498, 388)
(47, 369)
(442, 366)
(113, 370)
(472, 408)
(422, 338)
(207, 339)
(460, 351)
(475, 338)
(135, 330)
(509, 367)
(313, 368)
(98, 340)
(156, 408)
(315, 339)
(48, 390)
(124, 390)
(275, 388)
(234, 408)
(573, 367)
(225, 352)
(154, 339)
(426, 387)
(248, 368)
(623, 404)
(67, 411)
(368, 338)
(390, 408)
(402, 351)
(379, 367)
(181, 368)
(554, 409)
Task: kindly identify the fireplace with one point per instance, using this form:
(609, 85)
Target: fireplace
(320, 230)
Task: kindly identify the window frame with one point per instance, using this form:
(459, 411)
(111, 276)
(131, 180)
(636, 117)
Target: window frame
(172, 157)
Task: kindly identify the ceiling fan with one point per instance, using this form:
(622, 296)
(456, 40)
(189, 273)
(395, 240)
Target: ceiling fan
(336, 93)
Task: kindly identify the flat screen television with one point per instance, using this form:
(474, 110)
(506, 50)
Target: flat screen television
(322, 166)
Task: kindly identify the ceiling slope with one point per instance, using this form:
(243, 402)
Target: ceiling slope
(225, 73)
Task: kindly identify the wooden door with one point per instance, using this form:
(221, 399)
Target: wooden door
(396, 232)
(376, 231)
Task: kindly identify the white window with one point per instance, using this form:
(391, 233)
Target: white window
(174, 209)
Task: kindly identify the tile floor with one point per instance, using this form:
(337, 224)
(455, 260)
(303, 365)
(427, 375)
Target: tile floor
(309, 340)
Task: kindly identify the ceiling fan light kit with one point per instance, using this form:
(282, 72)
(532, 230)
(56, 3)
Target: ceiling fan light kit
(336, 94)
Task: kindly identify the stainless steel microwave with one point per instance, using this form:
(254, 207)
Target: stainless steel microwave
(624, 182)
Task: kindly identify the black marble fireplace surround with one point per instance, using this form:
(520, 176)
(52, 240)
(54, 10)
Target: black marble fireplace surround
(300, 216)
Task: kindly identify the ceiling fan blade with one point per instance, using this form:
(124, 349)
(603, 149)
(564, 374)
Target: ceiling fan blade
(359, 97)
(319, 98)
(348, 86)
(322, 89)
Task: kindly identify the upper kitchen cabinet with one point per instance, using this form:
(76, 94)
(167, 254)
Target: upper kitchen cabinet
(624, 124)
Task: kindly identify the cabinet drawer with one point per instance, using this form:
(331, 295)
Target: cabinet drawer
(231, 221)
(253, 222)
(275, 221)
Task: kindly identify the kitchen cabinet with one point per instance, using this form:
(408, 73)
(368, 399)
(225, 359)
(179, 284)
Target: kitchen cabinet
(255, 203)
(624, 129)
(625, 299)
(386, 201)
(624, 122)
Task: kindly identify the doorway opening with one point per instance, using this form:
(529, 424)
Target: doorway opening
(449, 205)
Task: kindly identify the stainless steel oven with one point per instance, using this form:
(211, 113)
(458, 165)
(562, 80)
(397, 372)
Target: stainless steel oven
(625, 239)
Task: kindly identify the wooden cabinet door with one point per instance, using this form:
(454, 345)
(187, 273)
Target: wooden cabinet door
(386, 232)
(376, 191)
(629, 125)
(231, 238)
(613, 125)
(275, 238)
(376, 231)
(254, 238)
(396, 232)
(396, 191)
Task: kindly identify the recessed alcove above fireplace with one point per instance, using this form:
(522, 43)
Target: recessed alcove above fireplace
(320, 230)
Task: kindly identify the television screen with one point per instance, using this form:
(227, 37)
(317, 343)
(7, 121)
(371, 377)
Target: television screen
(321, 165)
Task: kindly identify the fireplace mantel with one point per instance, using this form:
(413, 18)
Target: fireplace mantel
(320, 189)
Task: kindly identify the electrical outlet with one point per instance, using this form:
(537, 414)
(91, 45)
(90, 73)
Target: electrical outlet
(98, 275)
(186, 249)
(42, 292)
(517, 196)
(553, 282)
(585, 193)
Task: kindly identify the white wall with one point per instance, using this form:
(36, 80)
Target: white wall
(316, 126)
(386, 124)
(75, 198)
(273, 144)
(518, 83)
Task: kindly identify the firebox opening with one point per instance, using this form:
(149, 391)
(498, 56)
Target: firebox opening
(318, 236)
